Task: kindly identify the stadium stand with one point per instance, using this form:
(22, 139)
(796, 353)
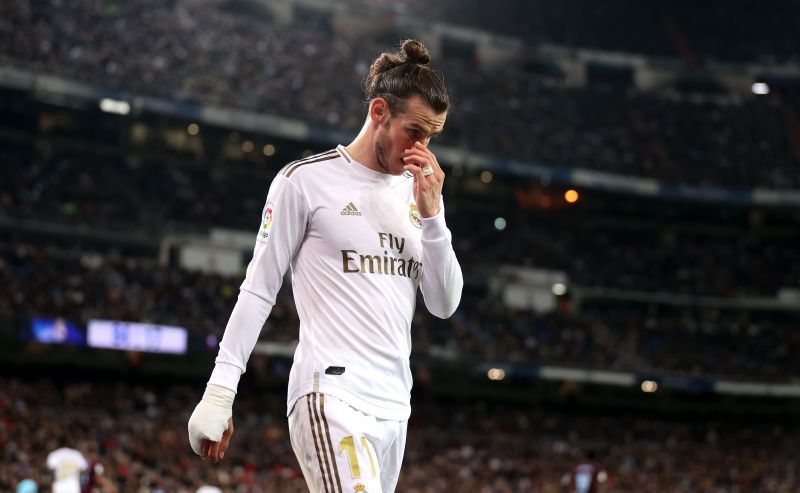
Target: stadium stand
(171, 51)
(714, 30)
(135, 429)
(719, 343)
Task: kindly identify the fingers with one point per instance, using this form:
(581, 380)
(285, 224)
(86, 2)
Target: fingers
(427, 186)
(421, 156)
(215, 451)
(226, 439)
(414, 169)
(420, 176)
(420, 149)
(416, 160)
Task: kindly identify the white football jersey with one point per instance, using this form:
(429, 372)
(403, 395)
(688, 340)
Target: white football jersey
(67, 465)
(358, 250)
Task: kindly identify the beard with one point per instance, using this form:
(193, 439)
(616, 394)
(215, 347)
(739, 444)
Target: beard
(380, 153)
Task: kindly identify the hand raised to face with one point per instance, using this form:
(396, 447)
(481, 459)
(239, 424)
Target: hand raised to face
(428, 178)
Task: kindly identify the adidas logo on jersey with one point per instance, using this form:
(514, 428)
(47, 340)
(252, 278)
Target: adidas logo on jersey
(350, 210)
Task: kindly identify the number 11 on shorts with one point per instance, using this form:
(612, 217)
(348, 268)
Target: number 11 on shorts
(348, 445)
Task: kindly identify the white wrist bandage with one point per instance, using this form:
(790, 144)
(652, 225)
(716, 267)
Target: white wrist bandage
(210, 418)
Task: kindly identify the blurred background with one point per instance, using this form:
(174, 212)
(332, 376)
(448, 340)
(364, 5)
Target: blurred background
(623, 188)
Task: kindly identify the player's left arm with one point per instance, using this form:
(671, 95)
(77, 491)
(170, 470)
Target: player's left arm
(442, 280)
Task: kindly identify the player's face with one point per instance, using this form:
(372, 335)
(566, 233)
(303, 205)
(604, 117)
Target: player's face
(419, 123)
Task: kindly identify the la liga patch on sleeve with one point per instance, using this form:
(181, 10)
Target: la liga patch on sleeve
(266, 221)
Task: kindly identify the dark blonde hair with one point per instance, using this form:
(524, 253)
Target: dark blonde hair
(397, 76)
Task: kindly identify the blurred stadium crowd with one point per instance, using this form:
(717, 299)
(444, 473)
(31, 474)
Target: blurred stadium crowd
(90, 191)
(118, 194)
(307, 71)
(135, 431)
(683, 27)
(692, 342)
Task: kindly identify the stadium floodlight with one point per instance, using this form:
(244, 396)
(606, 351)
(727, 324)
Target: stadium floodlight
(571, 196)
(760, 88)
(649, 386)
(559, 289)
(115, 106)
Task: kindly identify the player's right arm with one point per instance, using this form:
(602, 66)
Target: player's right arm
(283, 225)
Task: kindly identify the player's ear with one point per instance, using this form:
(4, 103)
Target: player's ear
(378, 111)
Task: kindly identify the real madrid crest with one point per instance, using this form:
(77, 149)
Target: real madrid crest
(413, 216)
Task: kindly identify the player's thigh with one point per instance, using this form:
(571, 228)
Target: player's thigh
(392, 454)
(303, 446)
(336, 445)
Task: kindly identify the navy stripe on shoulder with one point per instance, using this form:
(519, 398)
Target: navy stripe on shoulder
(332, 152)
(294, 167)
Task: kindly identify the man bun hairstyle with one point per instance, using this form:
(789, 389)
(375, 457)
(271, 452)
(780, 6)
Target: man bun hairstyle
(397, 76)
(415, 52)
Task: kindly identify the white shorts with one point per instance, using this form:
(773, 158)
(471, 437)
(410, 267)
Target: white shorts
(67, 485)
(342, 450)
